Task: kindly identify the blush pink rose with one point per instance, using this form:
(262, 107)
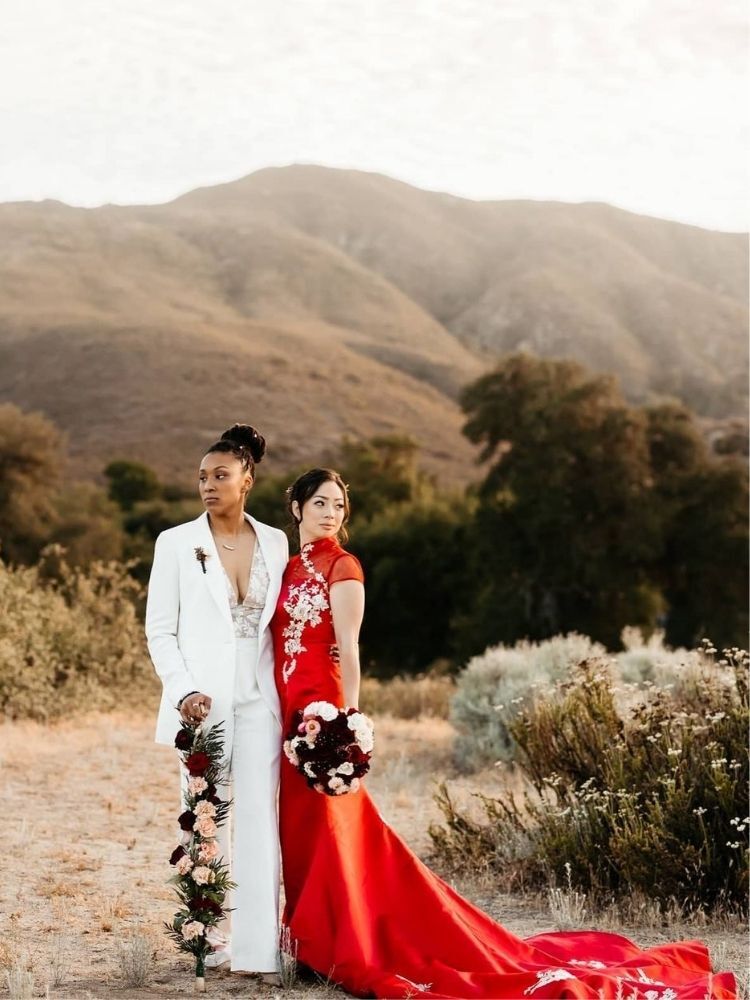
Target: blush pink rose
(205, 826)
(208, 851)
(184, 865)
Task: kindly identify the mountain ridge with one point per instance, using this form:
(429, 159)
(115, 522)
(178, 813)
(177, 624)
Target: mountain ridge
(345, 302)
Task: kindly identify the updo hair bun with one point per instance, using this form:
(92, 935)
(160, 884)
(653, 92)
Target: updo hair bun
(247, 437)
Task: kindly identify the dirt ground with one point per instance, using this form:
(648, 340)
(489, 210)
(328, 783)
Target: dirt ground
(90, 810)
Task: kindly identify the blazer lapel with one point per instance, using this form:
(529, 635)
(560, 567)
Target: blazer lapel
(214, 575)
(275, 570)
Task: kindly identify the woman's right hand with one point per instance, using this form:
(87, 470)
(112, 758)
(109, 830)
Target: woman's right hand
(195, 708)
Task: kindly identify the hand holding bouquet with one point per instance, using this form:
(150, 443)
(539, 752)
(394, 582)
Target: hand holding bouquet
(330, 747)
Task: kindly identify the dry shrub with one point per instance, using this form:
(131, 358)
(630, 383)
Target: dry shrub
(70, 638)
(423, 696)
(494, 688)
(135, 954)
(650, 799)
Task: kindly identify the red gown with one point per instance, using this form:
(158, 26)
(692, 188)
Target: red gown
(367, 913)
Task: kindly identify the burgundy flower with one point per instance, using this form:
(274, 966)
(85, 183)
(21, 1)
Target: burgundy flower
(201, 903)
(186, 821)
(177, 853)
(198, 763)
(183, 740)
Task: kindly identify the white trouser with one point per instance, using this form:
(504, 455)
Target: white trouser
(249, 839)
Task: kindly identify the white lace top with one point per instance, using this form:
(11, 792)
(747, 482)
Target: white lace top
(246, 616)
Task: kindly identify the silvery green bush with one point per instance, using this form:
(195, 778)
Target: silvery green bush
(494, 687)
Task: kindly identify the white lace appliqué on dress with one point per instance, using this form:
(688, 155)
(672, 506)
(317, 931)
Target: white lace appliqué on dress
(422, 987)
(246, 616)
(305, 604)
(548, 976)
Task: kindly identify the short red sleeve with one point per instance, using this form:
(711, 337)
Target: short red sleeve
(346, 567)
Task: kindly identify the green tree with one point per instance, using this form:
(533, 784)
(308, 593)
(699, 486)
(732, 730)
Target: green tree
(702, 562)
(382, 471)
(32, 454)
(413, 555)
(131, 482)
(565, 523)
(89, 525)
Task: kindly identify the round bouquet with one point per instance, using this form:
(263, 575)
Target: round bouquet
(330, 747)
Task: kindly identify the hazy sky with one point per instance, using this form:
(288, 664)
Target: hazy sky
(641, 104)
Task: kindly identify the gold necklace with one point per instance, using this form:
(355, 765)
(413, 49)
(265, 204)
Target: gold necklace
(224, 544)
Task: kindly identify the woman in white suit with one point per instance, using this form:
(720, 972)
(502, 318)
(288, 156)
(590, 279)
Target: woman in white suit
(212, 592)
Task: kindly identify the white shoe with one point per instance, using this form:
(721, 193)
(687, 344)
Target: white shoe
(216, 959)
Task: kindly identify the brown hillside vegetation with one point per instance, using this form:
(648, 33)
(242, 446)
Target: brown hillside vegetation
(317, 302)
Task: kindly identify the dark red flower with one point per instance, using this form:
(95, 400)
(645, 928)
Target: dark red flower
(186, 820)
(184, 739)
(201, 903)
(177, 853)
(198, 763)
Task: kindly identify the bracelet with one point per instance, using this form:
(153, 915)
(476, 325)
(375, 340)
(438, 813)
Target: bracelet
(179, 703)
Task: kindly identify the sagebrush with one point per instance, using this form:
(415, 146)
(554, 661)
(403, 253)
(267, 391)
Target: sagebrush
(70, 638)
(647, 795)
(493, 688)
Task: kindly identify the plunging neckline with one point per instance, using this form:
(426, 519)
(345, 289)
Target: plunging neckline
(249, 576)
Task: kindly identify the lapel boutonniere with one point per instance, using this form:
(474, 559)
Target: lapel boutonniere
(201, 555)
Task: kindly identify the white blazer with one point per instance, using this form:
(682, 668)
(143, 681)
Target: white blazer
(189, 625)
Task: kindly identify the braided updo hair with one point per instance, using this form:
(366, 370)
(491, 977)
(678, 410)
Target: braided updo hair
(245, 443)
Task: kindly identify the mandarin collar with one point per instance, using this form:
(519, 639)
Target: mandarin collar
(320, 544)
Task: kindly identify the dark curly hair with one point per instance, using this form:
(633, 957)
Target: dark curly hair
(245, 443)
(306, 486)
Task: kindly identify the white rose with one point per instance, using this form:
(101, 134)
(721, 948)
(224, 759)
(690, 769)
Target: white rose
(346, 768)
(334, 783)
(356, 720)
(364, 741)
(324, 709)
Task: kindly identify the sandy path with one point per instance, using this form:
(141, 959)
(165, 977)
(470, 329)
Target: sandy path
(90, 810)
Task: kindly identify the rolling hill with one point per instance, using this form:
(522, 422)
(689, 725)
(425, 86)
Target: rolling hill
(316, 302)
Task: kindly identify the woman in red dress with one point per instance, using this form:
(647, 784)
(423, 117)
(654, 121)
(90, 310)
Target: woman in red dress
(361, 908)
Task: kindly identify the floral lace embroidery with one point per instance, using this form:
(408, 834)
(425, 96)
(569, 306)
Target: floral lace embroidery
(643, 978)
(548, 976)
(246, 616)
(305, 605)
(422, 987)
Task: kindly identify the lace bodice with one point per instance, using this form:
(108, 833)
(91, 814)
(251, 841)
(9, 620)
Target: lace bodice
(246, 616)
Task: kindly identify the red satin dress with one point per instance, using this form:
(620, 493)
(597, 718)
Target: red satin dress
(365, 912)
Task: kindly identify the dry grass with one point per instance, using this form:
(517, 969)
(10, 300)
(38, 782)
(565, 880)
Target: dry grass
(424, 696)
(99, 782)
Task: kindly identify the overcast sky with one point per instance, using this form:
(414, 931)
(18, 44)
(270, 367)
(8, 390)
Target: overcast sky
(640, 104)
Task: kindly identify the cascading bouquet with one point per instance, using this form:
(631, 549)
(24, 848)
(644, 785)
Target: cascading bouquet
(202, 877)
(330, 747)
